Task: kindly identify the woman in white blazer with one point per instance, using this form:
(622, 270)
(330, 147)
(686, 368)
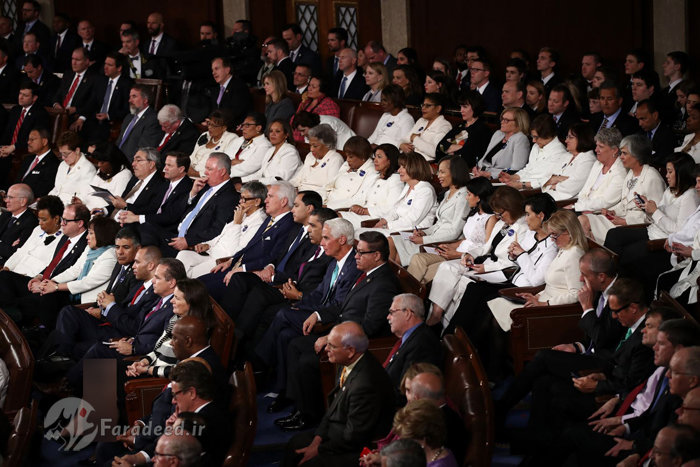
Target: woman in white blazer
(546, 157)
(247, 218)
(641, 180)
(90, 273)
(567, 180)
(381, 196)
(509, 147)
(691, 142)
(563, 276)
(453, 174)
(321, 164)
(451, 280)
(429, 130)
(113, 175)
(602, 187)
(678, 203)
(74, 171)
(417, 203)
(395, 123)
(247, 153)
(215, 139)
(281, 161)
(355, 177)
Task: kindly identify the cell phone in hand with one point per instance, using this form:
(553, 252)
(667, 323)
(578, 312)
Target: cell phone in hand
(638, 198)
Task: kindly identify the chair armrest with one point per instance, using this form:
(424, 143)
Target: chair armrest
(633, 226)
(140, 394)
(511, 291)
(656, 245)
(369, 223)
(85, 306)
(321, 328)
(565, 202)
(529, 192)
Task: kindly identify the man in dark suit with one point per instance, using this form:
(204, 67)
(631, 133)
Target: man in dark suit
(208, 210)
(513, 95)
(10, 78)
(31, 9)
(179, 133)
(38, 169)
(327, 299)
(112, 95)
(337, 41)
(63, 42)
(7, 30)
(144, 192)
(360, 410)
(547, 63)
(367, 303)
(560, 106)
(230, 93)
(375, 52)
(140, 65)
(480, 73)
(76, 94)
(30, 46)
(556, 400)
(675, 66)
(159, 44)
(14, 287)
(663, 139)
(278, 54)
(17, 222)
(349, 82)
(140, 129)
(46, 81)
(612, 114)
(96, 49)
(172, 204)
(300, 54)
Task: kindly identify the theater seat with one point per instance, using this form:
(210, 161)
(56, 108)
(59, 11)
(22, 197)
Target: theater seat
(244, 417)
(23, 428)
(15, 352)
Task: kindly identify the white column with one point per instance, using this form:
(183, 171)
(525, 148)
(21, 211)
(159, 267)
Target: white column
(233, 11)
(670, 30)
(396, 25)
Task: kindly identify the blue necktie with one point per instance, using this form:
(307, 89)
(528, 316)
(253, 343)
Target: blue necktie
(193, 213)
(334, 277)
(662, 389)
(105, 101)
(291, 250)
(341, 93)
(132, 123)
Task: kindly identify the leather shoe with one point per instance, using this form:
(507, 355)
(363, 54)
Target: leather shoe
(284, 420)
(299, 423)
(278, 404)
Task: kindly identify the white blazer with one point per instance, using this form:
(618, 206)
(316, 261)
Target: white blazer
(201, 152)
(233, 237)
(251, 157)
(563, 278)
(96, 279)
(649, 184)
(672, 213)
(32, 257)
(68, 183)
(284, 165)
(380, 199)
(512, 157)
(543, 162)
(351, 186)
(519, 229)
(694, 150)
(577, 171)
(315, 174)
(414, 209)
(114, 185)
(534, 264)
(598, 194)
(392, 129)
(450, 218)
(428, 138)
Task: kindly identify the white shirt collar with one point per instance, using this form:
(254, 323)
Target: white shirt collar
(482, 88)
(342, 261)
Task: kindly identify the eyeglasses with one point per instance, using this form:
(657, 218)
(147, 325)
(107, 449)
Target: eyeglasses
(425, 106)
(65, 154)
(476, 69)
(504, 119)
(176, 393)
(360, 253)
(556, 235)
(139, 160)
(498, 215)
(680, 373)
(570, 137)
(621, 308)
(243, 198)
(396, 310)
(65, 221)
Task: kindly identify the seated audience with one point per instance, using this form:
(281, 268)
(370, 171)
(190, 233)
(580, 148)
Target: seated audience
(642, 180)
(662, 138)
(516, 70)
(566, 181)
(691, 141)
(407, 77)
(612, 115)
(477, 228)
(17, 221)
(377, 78)
(349, 83)
(303, 121)
(469, 139)
(395, 123)
(681, 282)
(217, 138)
(355, 177)
(113, 174)
(140, 128)
(248, 151)
(546, 156)
(564, 109)
(321, 164)
(281, 161)
(316, 101)
(439, 83)
(427, 132)
(509, 147)
(39, 172)
(480, 72)
(277, 104)
(453, 175)
(603, 185)
(179, 133)
(230, 93)
(74, 171)
(535, 97)
(144, 192)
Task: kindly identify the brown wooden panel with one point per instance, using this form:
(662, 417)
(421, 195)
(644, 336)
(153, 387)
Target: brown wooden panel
(570, 27)
(268, 17)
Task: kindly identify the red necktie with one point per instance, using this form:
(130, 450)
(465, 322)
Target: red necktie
(34, 164)
(17, 127)
(54, 262)
(156, 308)
(394, 349)
(71, 91)
(459, 79)
(136, 295)
(165, 141)
(629, 399)
(360, 279)
(240, 150)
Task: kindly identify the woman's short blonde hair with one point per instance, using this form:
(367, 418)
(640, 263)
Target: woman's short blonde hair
(279, 85)
(564, 220)
(421, 420)
(381, 69)
(522, 119)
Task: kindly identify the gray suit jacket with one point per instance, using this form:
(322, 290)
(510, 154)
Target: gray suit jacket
(145, 133)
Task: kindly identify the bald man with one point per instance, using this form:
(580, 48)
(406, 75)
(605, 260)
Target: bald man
(349, 82)
(158, 44)
(361, 406)
(184, 447)
(17, 222)
(689, 412)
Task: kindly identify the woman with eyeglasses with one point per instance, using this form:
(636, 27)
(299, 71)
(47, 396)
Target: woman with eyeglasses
(546, 156)
(428, 130)
(478, 225)
(509, 147)
(453, 277)
(355, 177)
(248, 151)
(217, 138)
(567, 180)
(395, 122)
(643, 182)
(321, 164)
(113, 174)
(379, 199)
(247, 218)
(281, 161)
(469, 139)
(74, 171)
(453, 175)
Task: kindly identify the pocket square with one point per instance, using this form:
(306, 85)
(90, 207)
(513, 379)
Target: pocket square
(266, 238)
